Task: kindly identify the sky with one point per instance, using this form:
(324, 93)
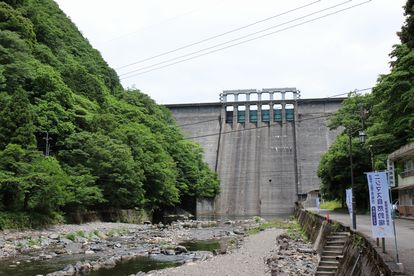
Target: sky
(341, 52)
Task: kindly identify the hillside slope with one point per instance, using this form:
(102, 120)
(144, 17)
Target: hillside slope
(109, 147)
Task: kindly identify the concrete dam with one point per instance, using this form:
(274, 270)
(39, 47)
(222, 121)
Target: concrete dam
(265, 146)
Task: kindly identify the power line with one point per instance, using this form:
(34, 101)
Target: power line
(156, 24)
(217, 119)
(245, 41)
(253, 128)
(199, 122)
(216, 36)
(356, 90)
(236, 39)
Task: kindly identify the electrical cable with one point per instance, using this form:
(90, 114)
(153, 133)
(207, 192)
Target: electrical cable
(160, 23)
(242, 42)
(199, 122)
(211, 120)
(254, 128)
(235, 39)
(216, 36)
(356, 90)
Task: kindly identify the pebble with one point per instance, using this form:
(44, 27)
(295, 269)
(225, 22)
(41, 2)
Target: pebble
(54, 236)
(180, 249)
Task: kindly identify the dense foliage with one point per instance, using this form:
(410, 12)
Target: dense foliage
(110, 147)
(388, 116)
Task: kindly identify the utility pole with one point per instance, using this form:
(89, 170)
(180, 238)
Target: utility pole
(47, 138)
(362, 136)
(352, 182)
(372, 157)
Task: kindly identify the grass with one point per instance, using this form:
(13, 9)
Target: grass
(32, 242)
(331, 205)
(71, 236)
(117, 231)
(294, 229)
(280, 224)
(80, 233)
(95, 233)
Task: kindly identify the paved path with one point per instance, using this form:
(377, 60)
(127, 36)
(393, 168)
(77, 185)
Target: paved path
(248, 260)
(405, 237)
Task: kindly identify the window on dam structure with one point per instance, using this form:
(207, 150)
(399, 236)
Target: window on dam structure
(241, 114)
(253, 114)
(290, 112)
(265, 113)
(277, 113)
(229, 114)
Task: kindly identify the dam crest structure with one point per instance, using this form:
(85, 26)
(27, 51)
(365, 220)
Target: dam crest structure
(265, 146)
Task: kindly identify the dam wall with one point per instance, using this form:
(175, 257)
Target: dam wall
(266, 152)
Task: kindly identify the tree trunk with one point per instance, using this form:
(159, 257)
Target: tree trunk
(26, 201)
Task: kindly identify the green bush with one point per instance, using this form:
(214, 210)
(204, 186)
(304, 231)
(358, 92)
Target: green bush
(71, 236)
(331, 205)
(26, 220)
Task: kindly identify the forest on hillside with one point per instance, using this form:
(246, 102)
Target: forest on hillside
(386, 115)
(109, 147)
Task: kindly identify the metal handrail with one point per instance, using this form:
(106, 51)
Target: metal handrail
(407, 173)
(356, 262)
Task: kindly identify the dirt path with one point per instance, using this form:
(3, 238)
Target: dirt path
(247, 260)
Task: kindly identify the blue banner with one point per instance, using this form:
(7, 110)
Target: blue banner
(381, 221)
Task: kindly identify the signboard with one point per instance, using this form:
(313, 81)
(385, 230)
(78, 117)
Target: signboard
(349, 201)
(391, 175)
(380, 205)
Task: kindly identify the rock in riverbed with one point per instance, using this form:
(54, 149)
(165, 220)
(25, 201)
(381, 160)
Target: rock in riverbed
(292, 257)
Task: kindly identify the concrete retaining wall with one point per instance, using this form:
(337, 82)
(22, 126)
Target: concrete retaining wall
(358, 250)
(110, 215)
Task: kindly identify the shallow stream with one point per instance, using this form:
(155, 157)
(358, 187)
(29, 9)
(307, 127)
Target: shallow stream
(141, 263)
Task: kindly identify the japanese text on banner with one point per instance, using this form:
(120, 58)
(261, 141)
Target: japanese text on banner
(380, 206)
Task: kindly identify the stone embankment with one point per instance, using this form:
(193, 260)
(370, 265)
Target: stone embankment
(292, 256)
(360, 256)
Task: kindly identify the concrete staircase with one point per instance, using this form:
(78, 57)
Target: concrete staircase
(332, 253)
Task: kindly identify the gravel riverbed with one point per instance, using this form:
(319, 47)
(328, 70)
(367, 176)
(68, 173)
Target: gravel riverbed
(79, 249)
(94, 246)
(249, 259)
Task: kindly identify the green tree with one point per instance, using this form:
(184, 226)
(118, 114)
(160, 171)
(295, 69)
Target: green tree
(195, 179)
(110, 147)
(16, 120)
(389, 120)
(159, 168)
(27, 178)
(111, 162)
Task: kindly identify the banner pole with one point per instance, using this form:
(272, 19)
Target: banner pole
(393, 223)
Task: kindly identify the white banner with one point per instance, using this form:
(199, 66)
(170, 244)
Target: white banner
(380, 208)
(349, 201)
(318, 203)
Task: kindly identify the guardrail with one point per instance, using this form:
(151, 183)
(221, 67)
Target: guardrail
(407, 173)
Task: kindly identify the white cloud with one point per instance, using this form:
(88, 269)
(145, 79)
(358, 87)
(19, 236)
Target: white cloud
(333, 55)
